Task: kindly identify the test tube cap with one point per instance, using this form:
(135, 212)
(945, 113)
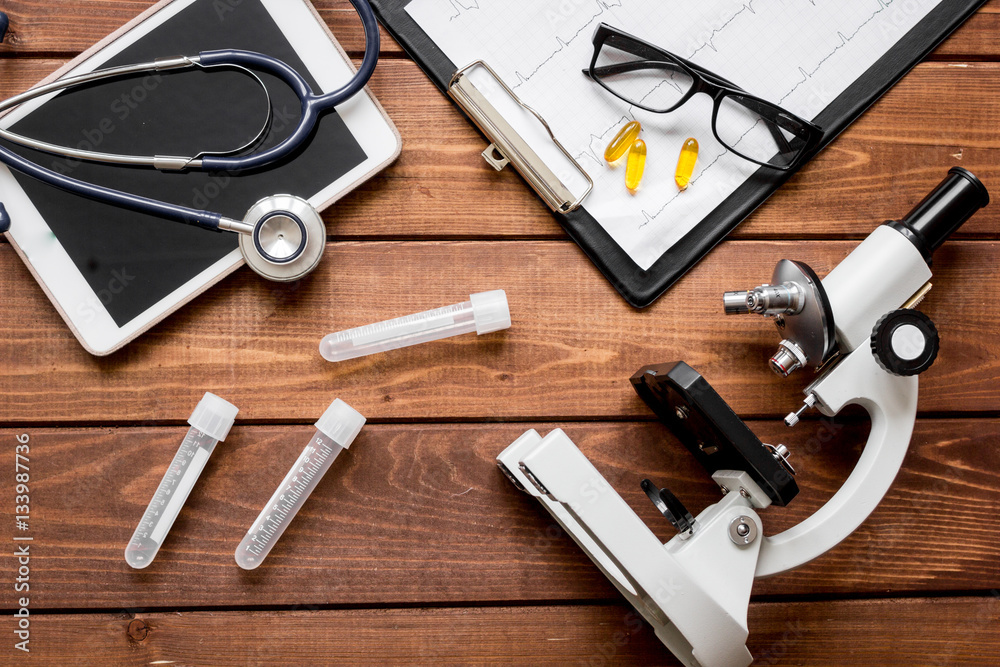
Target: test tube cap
(214, 416)
(341, 422)
(490, 311)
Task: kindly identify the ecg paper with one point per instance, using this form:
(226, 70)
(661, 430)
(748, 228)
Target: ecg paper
(800, 54)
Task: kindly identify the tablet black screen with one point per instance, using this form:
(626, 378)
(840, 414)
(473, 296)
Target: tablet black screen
(132, 260)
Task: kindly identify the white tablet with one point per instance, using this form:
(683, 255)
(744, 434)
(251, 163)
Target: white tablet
(112, 273)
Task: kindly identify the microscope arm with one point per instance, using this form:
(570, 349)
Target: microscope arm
(509, 463)
(891, 402)
(695, 589)
(694, 592)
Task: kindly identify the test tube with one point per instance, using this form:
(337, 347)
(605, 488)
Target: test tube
(483, 313)
(335, 431)
(210, 423)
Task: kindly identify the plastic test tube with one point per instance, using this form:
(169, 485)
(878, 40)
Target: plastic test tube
(210, 422)
(483, 313)
(335, 431)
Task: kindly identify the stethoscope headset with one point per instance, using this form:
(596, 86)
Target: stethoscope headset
(282, 237)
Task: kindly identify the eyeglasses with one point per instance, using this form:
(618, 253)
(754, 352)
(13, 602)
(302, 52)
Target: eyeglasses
(656, 80)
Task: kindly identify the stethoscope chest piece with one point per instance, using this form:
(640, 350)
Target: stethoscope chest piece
(283, 237)
(288, 238)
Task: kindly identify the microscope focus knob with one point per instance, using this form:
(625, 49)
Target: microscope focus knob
(905, 342)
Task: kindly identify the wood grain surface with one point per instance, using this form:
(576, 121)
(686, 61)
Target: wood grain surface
(414, 548)
(572, 347)
(441, 188)
(44, 26)
(820, 634)
(420, 514)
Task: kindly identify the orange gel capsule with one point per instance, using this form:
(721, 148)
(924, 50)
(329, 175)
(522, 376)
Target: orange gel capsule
(635, 166)
(622, 141)
(686, 162)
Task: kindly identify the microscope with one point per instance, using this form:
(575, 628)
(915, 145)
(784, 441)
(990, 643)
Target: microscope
(859, 329)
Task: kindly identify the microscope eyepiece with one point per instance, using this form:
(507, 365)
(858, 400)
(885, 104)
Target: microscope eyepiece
(943, 211)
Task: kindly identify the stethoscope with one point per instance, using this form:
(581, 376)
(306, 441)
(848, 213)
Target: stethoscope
(282, 237)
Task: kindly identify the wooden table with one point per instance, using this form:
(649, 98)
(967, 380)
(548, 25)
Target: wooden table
(414, 547)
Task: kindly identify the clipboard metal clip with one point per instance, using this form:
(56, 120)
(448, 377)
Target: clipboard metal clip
(495, 158)
(507, 146)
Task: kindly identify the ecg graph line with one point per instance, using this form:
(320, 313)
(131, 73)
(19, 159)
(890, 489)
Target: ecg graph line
(603, 7)
(593, 153)
(592, 11)
(748, 7)
(462, 7)
(844, 41)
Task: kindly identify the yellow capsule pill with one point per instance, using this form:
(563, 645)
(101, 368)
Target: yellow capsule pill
(622, 141)
(686, 162)
(635, 166)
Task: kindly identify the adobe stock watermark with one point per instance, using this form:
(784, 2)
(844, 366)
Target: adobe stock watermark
(826, 430)
(775, 653)
(591, 490)
(22, 542)
(608, 650)
(203, 196)
(120, 108)
(666, 589)
(818, 97)
(898, 535)
(969, 634)
(117, 284)
(223, 8)
(901, 15)
(699, 39)
(559, 15)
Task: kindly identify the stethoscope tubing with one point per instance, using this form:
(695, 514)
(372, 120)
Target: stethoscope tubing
(313, 106)
(126, 200)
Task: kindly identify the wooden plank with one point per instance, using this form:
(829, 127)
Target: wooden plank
(37, 26)
(878, 169)
(974, 39)
(418, 514)
(573, 345)
(886, 162)
(813, 633)
(58, 27)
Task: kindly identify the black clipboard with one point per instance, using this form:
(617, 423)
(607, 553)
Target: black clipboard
(641, 287)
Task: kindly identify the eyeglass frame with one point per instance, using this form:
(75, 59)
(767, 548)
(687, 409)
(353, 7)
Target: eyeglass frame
(703, 81)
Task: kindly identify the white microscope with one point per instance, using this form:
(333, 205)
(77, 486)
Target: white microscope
(858, 326)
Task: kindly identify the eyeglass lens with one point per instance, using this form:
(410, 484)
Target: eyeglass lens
(754, 129)
(656, 84)
(758, 131)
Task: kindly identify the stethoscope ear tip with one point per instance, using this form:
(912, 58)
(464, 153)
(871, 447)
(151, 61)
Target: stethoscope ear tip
(4, 219)
(4, 24)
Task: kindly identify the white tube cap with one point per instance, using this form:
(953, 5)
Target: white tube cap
(490, 311)
(341, 422)
(214, 416)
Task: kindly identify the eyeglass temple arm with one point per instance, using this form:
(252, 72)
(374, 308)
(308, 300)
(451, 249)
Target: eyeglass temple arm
(635, 65)
(712, 75)
(732, 85)
(622, 68)
(772, 127)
